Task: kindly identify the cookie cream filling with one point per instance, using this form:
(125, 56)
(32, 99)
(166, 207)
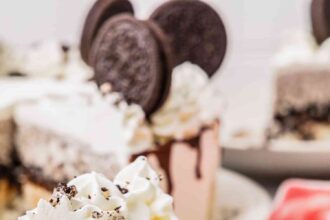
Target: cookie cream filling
(135, 194)
(191, 104)
(300, 50)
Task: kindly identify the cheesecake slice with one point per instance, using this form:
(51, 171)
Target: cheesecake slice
(302, 97)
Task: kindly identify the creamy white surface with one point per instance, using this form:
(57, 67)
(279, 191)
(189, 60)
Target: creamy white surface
(103, 123)
(192, 104)
(44, 59)
(144, 200)
(300, 50)
(14, 91)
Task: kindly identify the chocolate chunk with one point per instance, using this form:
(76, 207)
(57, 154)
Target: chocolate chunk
(16, 74)
(320, 12)
(196, 31)
(126, 55)
(122, 189)
(100, 12)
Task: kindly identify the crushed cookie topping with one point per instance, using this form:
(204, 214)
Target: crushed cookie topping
(62, 190)
(97, 215)
(117, 209)
(106, 193)
(104, 189)
(69, 191)
(123, 190)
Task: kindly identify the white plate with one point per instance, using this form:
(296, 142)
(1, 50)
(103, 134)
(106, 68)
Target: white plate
(240, 198)
(282, 160)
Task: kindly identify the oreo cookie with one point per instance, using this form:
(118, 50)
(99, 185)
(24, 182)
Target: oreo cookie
(167, 58)
(320, 12)
(100, 12)
(196, 31)
(127, 55)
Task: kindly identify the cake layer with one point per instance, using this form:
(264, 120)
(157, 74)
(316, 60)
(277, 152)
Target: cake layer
(60, 158)
(300, 88)
(8, 186)
(33, 192)
(6, 138)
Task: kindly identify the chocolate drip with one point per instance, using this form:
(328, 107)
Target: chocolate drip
(163, 155)
(195, 143)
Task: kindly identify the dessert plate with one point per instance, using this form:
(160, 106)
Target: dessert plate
(281, 159)
(240, 198)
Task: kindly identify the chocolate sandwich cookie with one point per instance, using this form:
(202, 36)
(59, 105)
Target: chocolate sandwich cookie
(167, 59)
(126, 55)
(196, 31)
(100, 12)
(320, 12)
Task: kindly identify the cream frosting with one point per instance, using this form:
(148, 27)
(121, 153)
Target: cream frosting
(191, 104)
(134, 195)
(13, 90)
(105, 123)
(301, 50)
(44, 59)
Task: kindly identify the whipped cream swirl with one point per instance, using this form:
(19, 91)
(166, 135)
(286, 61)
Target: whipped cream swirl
(134, 195)
(191, 104)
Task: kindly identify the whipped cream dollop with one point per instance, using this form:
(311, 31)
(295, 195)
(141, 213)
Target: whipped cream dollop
(135, 194)
(105, 123)
(48, 58)
(191, 104)
(301, 50)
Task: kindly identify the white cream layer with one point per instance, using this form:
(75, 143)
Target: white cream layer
(300, 50)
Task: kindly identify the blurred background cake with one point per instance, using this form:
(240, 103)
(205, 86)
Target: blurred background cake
(301, 108)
